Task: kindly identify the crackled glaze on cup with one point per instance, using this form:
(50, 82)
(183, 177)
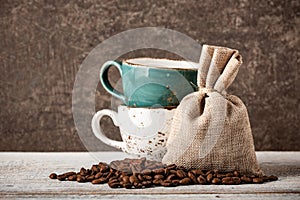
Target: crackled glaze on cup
(144, 131)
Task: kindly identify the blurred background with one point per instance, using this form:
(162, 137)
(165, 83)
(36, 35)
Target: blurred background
(43, 44)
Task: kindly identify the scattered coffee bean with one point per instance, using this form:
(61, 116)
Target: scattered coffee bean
(246, 179)
(98, 175)
(197, 172)
(147, 177)
(127, 185)
(231, 180)
(229, 175)
(273, 178)
(72, 178)
(209, 177)
(80, 179)
(175, 182)
(216, 181)
(142, 173)
(257, 180)
(171, 176)
(167, 183)
(156, 181)
(61, 177)
(185, 181)
(133, 179)
(236, 173)
(53, 176)
(201, 180)
(159, 171)
(159, 176)
(181, 174)
(99, 181)
(192, 177)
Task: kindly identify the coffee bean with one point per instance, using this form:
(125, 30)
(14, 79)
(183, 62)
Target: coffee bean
(82, 171)
(133, 179)
(90, 178)
(126, 179)
(265, 178)
(209, 177)
(113, 180)
(158, 176)
(114, 185)
(138, 185)
(273, 178)
(167, 183)
(229, 175)
(201, 180)
(159, 171)
(80, 179)
(209, 172)
(227, 181)
(172, 166)
(104, 168)
(146, 172)
(220, 176)
(192, 177)
(231, 180)
(72, 178)
(175, 182)
(141, 177)
(236, 173)
(246, 179)
(171, 176)
(166, 172)
(67, 174)
(216, 181)
(99, 181)
(257, 180)
(181, 174)
(197, 172)
(105, 174)
(110, 174)
(61, 177)
(147, 184)
(98, 175)
(185, 181)
(53, 176)
(127, 185)
(147, 177)
(95, 169)
(157, 181)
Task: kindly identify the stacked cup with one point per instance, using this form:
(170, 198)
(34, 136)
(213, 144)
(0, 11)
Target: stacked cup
(152, 89)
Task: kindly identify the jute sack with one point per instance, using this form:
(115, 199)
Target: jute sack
(211, 129)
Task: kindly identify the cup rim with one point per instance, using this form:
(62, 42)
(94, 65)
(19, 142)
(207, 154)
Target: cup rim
(170, 108)
(191, 65)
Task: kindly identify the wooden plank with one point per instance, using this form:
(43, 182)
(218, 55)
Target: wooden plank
(164, 197)
(26, 175)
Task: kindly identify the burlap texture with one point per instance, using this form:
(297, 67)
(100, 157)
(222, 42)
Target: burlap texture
(211, 129)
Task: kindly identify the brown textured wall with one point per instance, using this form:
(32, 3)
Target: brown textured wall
(43, 43)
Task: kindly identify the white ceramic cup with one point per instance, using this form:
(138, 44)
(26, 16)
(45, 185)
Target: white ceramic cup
(144, 131)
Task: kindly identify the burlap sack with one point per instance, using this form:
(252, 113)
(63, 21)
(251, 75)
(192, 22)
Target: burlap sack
(211, 129)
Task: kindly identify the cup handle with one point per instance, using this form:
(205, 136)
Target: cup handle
(99, 133)
(105, 82)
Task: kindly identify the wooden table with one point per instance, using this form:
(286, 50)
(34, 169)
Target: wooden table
(25, 175)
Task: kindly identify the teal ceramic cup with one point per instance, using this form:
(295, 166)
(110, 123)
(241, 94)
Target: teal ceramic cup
(149, 82)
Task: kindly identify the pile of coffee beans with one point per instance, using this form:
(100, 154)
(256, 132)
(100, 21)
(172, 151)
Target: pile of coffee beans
(142, 173)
